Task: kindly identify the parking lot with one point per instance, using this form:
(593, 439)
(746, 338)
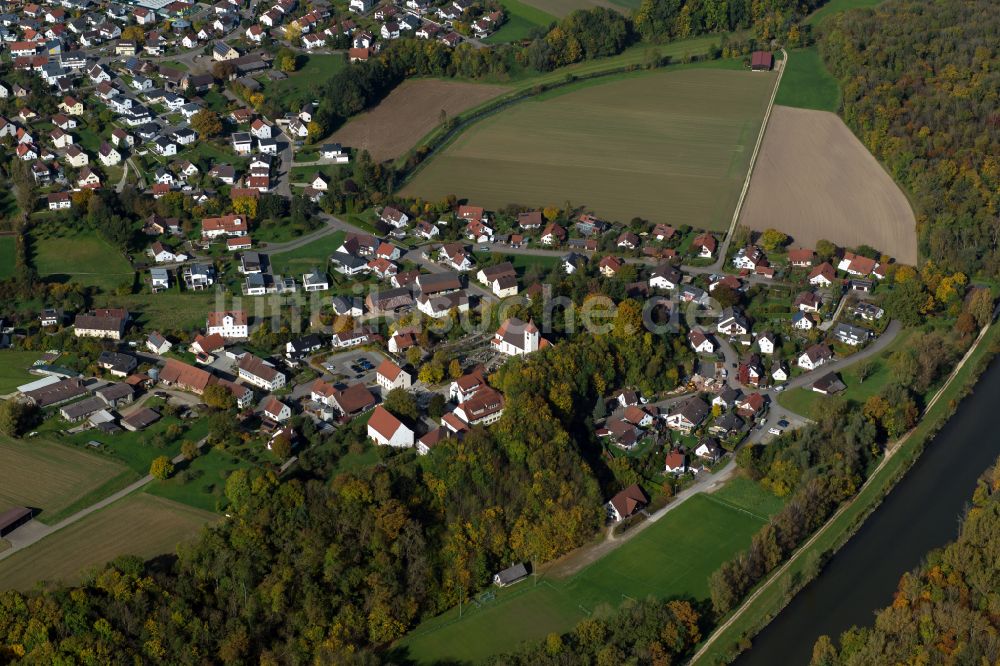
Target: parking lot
(353, 367)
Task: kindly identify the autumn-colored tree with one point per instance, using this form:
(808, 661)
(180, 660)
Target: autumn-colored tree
(219, 397)
(134, 33)
(189, 449)
(207, 123)
(455, 369)
(772, 239)
(245, 206)
(161, 468)
(281, 447)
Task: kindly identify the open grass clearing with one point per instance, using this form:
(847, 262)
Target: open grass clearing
(81, 257)
(167, 310)
(139, 524)
(315, 254)
(55, 479)
(807, 84)
(670, 146)
(409, 112)
(814, 180)
(523, 19)
(672, 557)
(14, 369)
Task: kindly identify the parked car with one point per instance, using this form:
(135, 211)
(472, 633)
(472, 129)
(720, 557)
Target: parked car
(774, 431)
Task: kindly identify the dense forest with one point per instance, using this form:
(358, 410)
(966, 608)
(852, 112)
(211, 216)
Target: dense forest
(920, 82)
(947, 611)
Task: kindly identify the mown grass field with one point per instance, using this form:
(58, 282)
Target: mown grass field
(669, 146)
(315, 254)
(14, 369)
(53, 478)
(8, 254)
(522, 20)
(139, 524)
(561, 8)
(82, 257)
(807, 83)
(171, 309)
(673, 557)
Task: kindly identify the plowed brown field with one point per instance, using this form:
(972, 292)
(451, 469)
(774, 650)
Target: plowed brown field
(815, 180)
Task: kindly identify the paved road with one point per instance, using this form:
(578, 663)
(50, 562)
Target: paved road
(21, 538)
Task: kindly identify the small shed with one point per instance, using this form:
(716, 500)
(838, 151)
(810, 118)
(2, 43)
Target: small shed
(13, 518)
(761, 61)
(511, 575)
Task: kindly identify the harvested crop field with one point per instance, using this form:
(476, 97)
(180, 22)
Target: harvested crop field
(140, 524)
(53, 477)
(814, 180)
(409, 112)
(670, 146)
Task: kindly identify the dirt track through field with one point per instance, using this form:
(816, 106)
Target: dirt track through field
(409, 112)
(815, 180)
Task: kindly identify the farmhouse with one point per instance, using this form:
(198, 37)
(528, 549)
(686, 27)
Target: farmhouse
(102, 323)
(185, 377)
(54, 393)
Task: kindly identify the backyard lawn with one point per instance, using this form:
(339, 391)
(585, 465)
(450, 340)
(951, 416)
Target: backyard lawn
(673, 557)
(139, 524)
(305, 84)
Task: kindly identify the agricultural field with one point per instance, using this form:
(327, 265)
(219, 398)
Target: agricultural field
(677, 153)
(14, 369)
(8, 256)
(673, 557)
(409, 112)
(54, 478)
(807, 83)
(314, 254)
(522, 20)
(139, 524)
(80, 257)
(814, 180)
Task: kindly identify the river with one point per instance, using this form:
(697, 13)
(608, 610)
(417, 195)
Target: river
(921, 513)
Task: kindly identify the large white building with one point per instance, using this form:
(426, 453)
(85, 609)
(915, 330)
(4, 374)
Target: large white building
(230, 325)
(386, 430)
(517, 338)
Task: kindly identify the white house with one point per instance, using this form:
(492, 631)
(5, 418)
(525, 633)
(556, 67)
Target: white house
(260, 373)
(228, 324)
(814, 357)
(389, 376)
(518, 338)
(386, 430)
(701, 343)
(277, 411)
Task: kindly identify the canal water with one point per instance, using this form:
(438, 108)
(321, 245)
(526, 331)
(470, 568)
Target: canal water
(921, 513)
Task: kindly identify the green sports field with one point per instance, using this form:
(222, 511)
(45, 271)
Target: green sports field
(668, 146)
(673, 557)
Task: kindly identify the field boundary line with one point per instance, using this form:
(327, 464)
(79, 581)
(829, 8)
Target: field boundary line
(801, 550)
(736, 507)
(753, 160)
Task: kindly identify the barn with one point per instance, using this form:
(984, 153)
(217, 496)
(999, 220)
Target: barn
(13, 518)
(761, 61)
